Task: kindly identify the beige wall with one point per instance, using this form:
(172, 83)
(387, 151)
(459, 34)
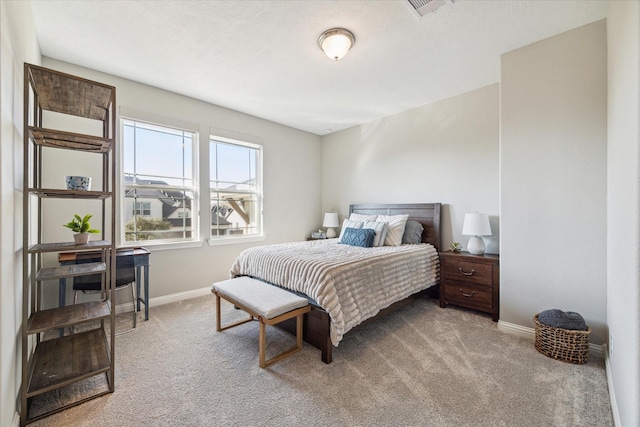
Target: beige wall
(623, 235)
(443, 152)
(553, 166)
(19, 44)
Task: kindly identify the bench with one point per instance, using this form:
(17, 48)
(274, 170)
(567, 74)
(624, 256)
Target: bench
(268, 304)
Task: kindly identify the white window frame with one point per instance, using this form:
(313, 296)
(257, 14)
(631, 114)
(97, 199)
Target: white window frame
(221, 136)
(195, 239)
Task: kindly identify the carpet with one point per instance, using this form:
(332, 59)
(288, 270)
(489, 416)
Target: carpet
(420, 366)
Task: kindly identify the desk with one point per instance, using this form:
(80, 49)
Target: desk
(141, 262)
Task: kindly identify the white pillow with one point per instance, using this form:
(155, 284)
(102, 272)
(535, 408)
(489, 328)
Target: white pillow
(347, 223)
(396, 228)
(362, 217)
(381, 231)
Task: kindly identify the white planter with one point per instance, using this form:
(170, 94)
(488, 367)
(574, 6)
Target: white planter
(81, 238)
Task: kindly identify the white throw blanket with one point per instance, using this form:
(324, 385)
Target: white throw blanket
(351, 283)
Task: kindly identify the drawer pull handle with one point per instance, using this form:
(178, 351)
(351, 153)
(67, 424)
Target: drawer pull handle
(466, 273)
(467, 295)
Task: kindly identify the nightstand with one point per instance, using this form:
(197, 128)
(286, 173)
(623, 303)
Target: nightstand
(471, 281)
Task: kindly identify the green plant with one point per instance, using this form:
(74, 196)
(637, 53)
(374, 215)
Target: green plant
(81, 224)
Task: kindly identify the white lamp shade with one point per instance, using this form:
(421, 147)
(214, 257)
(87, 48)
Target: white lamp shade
(476, 224)
(330, 220)
(336, 42)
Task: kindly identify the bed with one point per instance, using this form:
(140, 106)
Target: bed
(349, 285)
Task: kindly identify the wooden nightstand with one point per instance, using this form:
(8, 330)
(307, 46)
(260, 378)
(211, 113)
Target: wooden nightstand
(471, 281)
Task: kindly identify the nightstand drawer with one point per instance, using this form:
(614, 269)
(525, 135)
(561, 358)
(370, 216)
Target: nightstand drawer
(468, 295)
(470, 272)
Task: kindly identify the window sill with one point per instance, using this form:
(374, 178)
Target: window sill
(235, 240)
(164, 246)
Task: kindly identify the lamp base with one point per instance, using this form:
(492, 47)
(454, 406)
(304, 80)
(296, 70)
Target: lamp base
(476, 245)
(331, 233)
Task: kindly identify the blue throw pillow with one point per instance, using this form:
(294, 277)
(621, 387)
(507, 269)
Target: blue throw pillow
(358, 237)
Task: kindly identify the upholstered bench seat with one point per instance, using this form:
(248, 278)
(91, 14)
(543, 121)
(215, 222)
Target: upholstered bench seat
(268, 304)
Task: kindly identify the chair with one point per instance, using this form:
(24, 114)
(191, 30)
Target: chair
(125, 276)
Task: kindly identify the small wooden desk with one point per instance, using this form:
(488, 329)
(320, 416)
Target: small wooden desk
(141, 262)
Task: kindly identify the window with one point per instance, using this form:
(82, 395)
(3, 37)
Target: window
(159, 183)
(235, 174)
(142, 208)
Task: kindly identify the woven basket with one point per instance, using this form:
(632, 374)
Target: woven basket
(562, 344)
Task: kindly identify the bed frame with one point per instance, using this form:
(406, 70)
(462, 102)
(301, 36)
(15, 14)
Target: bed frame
(317, 323)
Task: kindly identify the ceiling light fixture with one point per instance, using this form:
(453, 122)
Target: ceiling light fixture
(336, 42)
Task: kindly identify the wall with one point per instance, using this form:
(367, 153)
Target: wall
(443, 152)
(18, 44)
(553, 166)
(623, 245)
(291, 185)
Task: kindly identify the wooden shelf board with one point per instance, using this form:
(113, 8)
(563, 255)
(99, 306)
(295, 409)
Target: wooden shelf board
(70, 140)
(68, 94)
(51, 273)
(59, 193)
(69, 246)
(37, 417)
(62, 317)
(68, 359)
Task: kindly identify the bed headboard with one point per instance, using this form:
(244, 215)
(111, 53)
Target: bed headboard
(427, 214)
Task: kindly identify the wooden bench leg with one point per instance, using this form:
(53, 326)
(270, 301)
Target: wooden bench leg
(219, 326)
(218, 323)
(299, 315)
(262, 345)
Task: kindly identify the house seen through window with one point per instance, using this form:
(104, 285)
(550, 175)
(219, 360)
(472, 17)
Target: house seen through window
(235, 174)
(159, 183)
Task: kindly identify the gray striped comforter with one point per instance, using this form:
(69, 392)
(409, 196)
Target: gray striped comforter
(351, 283)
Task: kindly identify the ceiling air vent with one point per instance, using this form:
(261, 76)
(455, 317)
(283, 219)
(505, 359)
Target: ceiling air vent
(424, 7)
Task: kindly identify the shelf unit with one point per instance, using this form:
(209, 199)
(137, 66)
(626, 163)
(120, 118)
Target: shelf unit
(52, 356)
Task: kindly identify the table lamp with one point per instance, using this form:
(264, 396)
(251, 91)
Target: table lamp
(476, 225)
(330, 221)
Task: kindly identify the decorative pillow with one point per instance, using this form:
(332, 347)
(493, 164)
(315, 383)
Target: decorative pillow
(381, 231)
(396, 228)
(412, 233)
(362, 217)
(347, 223)
(358, 237)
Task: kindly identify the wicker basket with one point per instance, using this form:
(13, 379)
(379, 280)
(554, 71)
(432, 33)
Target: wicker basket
(562, 344)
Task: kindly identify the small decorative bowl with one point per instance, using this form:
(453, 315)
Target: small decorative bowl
(78, 182)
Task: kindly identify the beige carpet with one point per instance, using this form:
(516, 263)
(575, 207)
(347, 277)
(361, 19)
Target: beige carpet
(421, 366)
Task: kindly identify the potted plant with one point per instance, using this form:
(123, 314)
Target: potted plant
(82, 227)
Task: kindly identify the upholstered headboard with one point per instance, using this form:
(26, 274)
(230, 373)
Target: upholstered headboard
(427, 214)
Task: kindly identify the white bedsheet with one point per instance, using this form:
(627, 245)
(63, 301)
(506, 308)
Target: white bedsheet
(351, 283)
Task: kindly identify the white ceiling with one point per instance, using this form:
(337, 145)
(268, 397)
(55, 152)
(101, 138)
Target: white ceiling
(261, 57)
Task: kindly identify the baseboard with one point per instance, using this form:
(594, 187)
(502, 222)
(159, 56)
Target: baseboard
(530, 333)
(612, 390)
(166, 299)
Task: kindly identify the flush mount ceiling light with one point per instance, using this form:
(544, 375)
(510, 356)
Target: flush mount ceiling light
(336, 42)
